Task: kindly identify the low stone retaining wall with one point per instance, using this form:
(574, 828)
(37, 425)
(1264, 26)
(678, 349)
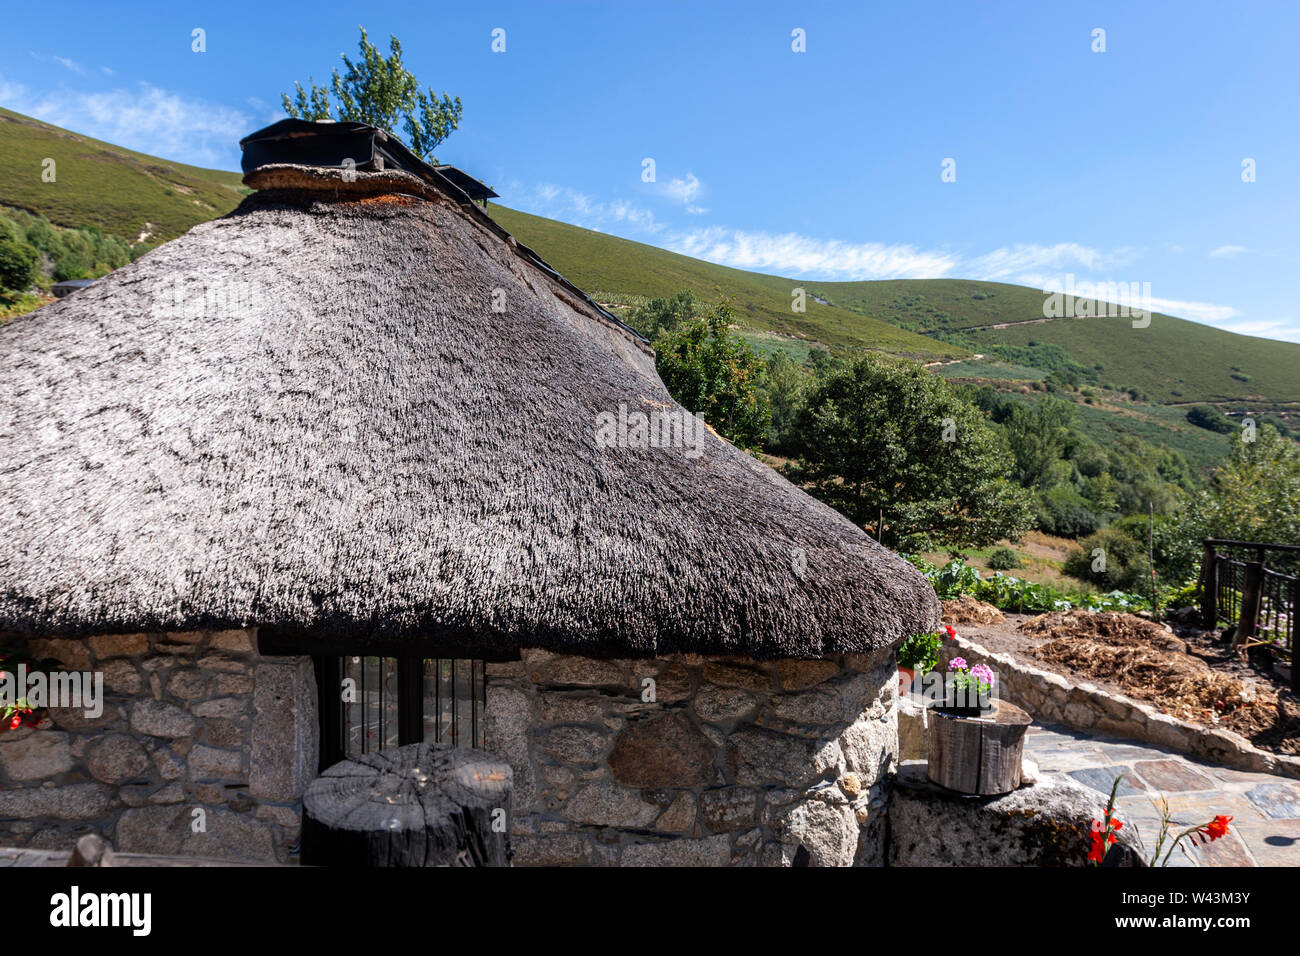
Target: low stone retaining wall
(1051, 698)
(697, 761)
(203, 749)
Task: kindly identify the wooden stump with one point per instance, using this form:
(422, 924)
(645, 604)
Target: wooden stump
(978, 755)
(418, 805)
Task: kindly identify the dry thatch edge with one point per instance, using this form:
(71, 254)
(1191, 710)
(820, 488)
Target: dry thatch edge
(1184, 736)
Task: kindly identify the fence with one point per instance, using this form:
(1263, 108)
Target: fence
(1238, 588)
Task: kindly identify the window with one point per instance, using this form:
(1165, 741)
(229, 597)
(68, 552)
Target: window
(370, 703)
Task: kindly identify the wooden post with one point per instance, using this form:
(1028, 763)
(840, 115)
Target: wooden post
(1209, 588)
(1151, 557)
(978, 755)
(417, 805)
(1251, 592)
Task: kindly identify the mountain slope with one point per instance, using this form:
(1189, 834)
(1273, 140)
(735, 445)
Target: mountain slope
(135, 196)
(617, 270)
(1172, 360)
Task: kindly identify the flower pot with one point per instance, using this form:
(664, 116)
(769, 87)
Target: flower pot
(961, 705)
(950, 709)
(905, 678)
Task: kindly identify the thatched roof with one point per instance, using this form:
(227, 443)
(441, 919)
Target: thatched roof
(309, 415)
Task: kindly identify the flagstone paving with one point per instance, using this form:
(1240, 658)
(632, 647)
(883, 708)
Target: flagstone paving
(1265, 810)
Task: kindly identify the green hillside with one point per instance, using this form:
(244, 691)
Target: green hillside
(620, 272)
(1172, 360)
(97, 184)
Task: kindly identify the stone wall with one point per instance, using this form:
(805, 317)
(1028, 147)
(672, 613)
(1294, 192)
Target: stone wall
(192, 721)
(717, 762)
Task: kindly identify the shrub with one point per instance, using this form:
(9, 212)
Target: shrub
(1004, 559)
(17, 265)
(1121, 565)
(1210, 418)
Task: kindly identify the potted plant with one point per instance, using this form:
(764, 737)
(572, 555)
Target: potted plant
(917, 655)
(968, 690)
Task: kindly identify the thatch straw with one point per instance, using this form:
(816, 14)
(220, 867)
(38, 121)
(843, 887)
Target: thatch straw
(347, 438)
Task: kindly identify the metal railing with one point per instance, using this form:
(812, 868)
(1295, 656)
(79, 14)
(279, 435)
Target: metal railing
(1238, 588)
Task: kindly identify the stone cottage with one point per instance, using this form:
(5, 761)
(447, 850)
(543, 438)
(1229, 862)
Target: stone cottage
(351, 467)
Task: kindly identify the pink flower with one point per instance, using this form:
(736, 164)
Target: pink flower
(957, 664)
(983, 673)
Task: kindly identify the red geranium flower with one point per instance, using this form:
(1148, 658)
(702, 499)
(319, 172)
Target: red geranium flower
(952, 632)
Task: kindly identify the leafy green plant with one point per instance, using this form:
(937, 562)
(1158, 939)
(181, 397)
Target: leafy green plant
(920, 652)
(1010, 593)
(14, 713)
(1182, 596)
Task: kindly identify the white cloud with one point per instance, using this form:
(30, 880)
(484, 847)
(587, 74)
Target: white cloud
(72, 65)
(1206, 312)
(1285, 329)
(793, 254)
(143, 118)
(683, 190)
(581, 209)
(1023, 259)
(1227, 252)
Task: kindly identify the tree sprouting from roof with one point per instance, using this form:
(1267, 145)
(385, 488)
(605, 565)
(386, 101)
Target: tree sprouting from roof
(381, 92)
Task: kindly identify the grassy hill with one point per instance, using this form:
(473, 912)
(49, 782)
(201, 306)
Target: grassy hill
(1172, 360)
(97, 184)
(621, 272)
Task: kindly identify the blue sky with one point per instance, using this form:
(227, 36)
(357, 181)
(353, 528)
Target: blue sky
(1122, 166)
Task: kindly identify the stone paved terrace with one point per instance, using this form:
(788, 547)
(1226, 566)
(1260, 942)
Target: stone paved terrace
(1265, 830)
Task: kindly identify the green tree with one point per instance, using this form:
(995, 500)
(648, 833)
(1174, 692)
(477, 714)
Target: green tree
(17, 265)
(1039, 435)
(892, 446)
(381, 92)
(786, 384)
(713, 372)
(664, 315)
